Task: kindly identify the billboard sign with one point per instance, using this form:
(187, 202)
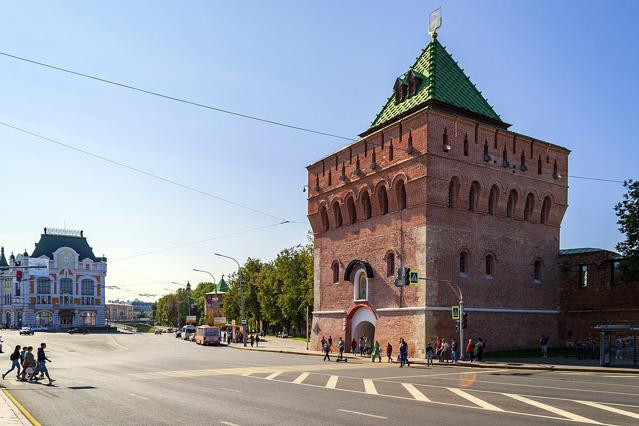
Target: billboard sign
(191, 319)
(41, 267)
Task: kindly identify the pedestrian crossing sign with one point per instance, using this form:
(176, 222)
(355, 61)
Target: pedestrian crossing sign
(413, 277)
(455, 312)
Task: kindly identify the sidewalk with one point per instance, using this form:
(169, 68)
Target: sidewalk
(298, 347)
(10, 415)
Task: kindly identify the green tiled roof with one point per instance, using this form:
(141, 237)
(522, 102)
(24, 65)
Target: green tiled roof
(222, 286)
(49, 243)
(443, 81)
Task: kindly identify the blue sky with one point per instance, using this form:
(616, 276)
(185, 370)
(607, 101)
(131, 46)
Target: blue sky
(564, 72)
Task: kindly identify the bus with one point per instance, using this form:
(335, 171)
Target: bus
(207, 335)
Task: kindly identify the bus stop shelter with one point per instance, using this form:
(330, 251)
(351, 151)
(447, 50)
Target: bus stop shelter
(618, 345)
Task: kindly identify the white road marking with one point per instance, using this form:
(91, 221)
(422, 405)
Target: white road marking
(139, 396)
(362, 414)
(301, 378)
(229, 423)
(415, 392)
(475, 400)
(369, 386)
(332, 382)
(552, 409)
(231, 390)
(273, 375)
(442, 374)
(611, 409)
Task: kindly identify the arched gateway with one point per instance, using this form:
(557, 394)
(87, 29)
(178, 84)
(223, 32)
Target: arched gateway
(363, 323)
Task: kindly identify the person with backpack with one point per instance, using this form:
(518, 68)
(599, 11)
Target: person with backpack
(429, 354)
(28, 365)
(15, 362)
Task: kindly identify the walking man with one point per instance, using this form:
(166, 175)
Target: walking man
(389, 352)
(41, 365)
(340, 346)
(453, 351)
(543, 342)
(330, 343)
(327, 351)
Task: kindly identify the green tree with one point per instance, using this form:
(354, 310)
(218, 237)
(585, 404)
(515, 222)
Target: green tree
(628, 220)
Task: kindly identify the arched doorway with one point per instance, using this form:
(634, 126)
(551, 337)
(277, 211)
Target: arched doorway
(66, 318)
(8, 322)
(363, 324)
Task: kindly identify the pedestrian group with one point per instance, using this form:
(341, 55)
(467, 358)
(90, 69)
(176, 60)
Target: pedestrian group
(29, 366)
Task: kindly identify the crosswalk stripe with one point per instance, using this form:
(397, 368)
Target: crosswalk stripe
(475, 400)
(273, 375)
(332, 382)
(369, 386)
(301, 378)
(415, 392)
(611, 409)
(552, 409)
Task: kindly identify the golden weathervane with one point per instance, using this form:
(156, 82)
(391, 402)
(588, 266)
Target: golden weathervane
(435, 21)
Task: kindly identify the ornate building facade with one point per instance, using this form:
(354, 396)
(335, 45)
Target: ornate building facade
(438, 184)
(67, 290)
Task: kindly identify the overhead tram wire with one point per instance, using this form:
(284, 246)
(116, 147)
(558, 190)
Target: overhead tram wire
(176, 99)
(192, 243)
(144, 172)
(218, 109)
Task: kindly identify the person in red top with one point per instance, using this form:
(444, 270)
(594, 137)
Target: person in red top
(438, 348)
(353, 346)
(470, 347)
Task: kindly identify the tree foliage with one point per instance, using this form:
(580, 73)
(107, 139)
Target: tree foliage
(628, 220)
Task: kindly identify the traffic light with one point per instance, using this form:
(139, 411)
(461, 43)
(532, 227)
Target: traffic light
(456, 325)
(406, 273)
(464, 320)
(19, 275)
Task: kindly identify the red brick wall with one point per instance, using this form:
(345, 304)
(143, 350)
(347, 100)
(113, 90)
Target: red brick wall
(429, 235)
(597, 304)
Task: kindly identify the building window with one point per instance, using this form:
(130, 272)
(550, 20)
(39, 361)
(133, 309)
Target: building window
(512, 204)
(463, 263)
(390, 264)
(452, 192)
(615, 273)
(366, 205)
(324, 218)
(400, 192)
(87, 319)
(545, 210)
(528, 208)
(493, 198)
(390, 151)
(43, 295)
(352, 212)
(583, 276)
(361, 286)
(490, 265)
(337, 214)
(17, 289)
(43, 319)
(88, 292)
(335, 268)
(66, 291)
(539, 165)
(466, 145)
(537, 271)
(383, 200)
(473, 196)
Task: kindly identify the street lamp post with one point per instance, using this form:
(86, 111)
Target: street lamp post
(212, 276)
(239, 270)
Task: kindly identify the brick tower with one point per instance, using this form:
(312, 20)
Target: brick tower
(437, 184)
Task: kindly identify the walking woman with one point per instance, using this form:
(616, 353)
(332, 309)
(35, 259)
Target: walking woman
(15, 362)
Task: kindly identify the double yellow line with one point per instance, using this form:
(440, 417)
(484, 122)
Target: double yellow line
(24, 411)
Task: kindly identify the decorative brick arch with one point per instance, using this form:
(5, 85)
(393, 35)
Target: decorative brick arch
(399, 176)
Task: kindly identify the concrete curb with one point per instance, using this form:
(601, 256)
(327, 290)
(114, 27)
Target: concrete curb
(12, 412)
(485, 364)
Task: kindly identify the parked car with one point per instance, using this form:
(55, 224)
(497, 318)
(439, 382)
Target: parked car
(188, 331)
(78, 330)
(26, 331)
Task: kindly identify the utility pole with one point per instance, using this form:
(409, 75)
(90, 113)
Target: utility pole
(306, 326)
(239, 270)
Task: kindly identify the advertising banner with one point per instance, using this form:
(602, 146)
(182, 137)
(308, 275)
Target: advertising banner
(42, 269)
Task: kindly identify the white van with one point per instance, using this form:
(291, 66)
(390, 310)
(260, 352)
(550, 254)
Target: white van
(187, 331)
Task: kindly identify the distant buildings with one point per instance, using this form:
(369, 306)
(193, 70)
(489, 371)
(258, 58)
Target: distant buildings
(119, 312)
(66, 291)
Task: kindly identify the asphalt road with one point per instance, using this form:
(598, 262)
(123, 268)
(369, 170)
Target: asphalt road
(143, 379)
